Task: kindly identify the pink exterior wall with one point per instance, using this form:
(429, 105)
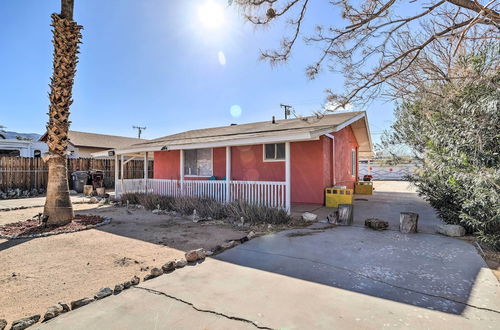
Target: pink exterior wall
(345, 141)
(311, 165)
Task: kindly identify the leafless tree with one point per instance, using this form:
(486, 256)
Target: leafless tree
(375, 46)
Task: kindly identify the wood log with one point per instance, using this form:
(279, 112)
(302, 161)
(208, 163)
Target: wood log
(345, 214)
(408, 222)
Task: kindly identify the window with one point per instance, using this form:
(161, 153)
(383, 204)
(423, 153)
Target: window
(198, 162)
(353, 164)
(274, 151)
(37, 154)
(9, 153)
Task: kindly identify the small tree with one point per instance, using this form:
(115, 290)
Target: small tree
(66, 41)
(373, 44)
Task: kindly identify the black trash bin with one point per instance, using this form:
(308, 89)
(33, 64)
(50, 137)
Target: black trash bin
(97, 179)
(79, 179)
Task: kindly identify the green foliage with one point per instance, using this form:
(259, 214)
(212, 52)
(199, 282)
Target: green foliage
(210, 208)
(458, 139)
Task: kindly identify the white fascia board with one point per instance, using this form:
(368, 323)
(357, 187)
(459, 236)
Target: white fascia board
(242, 142)
(350, 121)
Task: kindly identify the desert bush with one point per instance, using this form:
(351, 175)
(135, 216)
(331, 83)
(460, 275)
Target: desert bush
(210, 208)
(456, 135)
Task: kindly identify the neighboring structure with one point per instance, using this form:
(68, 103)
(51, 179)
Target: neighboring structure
(380, 169)
(21, 148)
(83, 144)
(272, 163)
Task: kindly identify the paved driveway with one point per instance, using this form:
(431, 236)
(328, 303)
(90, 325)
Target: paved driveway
(317, 278)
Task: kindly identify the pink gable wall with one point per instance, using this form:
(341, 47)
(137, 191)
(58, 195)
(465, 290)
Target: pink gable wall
(311, 165)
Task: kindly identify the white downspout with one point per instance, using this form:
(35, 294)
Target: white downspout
(146, 174)
(181, 170)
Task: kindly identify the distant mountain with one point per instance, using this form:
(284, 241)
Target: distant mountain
(14, 135)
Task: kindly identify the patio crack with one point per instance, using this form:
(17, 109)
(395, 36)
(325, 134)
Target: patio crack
(236, 318)
(375, 279)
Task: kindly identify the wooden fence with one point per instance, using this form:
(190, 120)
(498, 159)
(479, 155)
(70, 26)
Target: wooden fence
(29, 173)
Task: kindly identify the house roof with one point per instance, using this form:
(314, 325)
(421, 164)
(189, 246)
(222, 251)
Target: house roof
(295, 129)
(94, 140)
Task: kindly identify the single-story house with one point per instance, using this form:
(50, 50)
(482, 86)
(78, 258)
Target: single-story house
(274, 163)
(83, 144)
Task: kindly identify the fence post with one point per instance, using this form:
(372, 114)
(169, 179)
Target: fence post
(181, 170)
(228, 174)
(288, 178)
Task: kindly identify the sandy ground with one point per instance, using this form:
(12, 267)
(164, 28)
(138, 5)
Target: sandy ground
(37, 273)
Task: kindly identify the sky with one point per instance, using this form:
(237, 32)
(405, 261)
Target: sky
(165, 65)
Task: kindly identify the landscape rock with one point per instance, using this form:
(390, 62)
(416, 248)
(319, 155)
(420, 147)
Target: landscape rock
(309, 217)
(251, 235)
(52, 312)
(451, 230)
(127, 284)
(179, 263)
(156, 272)
(376, 224)
(103, 293)
(93, 200)
(168, 267)
(148, 277)
(229, 245)
(64, 306)
(118, 289)
(81, 302)
(3, 324)
(157, 211)
(135, 280)
(194, 255)
(25, 322)
(208, 253)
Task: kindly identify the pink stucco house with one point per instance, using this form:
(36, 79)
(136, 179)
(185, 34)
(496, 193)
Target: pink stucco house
(273, 163)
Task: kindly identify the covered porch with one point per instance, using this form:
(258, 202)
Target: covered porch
(274, 194)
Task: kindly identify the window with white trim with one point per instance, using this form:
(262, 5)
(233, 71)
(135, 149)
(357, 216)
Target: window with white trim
(198, 162)
(274, 151)
(353, 162)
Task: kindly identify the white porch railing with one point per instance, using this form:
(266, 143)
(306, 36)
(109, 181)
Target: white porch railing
(266, 193)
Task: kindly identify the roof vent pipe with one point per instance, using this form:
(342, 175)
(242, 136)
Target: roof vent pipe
(274, 120)
(233, 124)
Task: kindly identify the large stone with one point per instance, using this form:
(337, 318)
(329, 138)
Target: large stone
(64, 306)
(309, 217)
(52, 312)
(135, 280)
(103, 293)
(148, 277)
(3, 324)
(251, 235)
(127, 284)
(451, 230)
(179, 263)
(168, 267)
(194, 255)
(376, 224)
(25, 322)
(81, 302)
(118, 288)
(156, 272)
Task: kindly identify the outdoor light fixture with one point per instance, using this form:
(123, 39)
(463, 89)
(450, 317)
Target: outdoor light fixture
(164, 148)
(111, 153)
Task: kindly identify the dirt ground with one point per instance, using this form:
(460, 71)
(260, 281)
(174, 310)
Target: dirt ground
(37, 273)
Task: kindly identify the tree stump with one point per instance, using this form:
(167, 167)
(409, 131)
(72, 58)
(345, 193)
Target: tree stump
(408, 222)
(345, 214)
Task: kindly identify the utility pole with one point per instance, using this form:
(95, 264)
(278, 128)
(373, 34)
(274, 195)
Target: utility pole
(139, 130)
(287, 109)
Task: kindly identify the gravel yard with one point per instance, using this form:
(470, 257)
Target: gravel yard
(37, 273)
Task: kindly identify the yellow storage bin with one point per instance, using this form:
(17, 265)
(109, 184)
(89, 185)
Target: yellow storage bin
(363, 188)
(336, 196)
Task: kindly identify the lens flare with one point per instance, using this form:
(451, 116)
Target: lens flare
(211, 14)
(235, 111)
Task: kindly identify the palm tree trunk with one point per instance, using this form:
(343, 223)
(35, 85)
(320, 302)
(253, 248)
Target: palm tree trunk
(66, 41)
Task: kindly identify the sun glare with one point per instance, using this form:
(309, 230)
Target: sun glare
(211, 14)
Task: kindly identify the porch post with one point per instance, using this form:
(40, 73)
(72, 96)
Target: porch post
(228, 174)
(287, 178)
(117, 177)
(121, 174)
(181, 170)
(146, 172)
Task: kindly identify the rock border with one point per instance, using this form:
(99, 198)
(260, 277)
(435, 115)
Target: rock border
(196, 256)
(106, 221)
(7, 209)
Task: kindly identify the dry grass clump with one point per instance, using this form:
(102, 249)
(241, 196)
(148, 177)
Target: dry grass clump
(210, 208)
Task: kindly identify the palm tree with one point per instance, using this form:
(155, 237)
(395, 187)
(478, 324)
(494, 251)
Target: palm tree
(66, 42)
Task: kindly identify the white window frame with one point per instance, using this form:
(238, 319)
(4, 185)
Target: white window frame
(272, 160)
(354, 160)
(201, 176)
